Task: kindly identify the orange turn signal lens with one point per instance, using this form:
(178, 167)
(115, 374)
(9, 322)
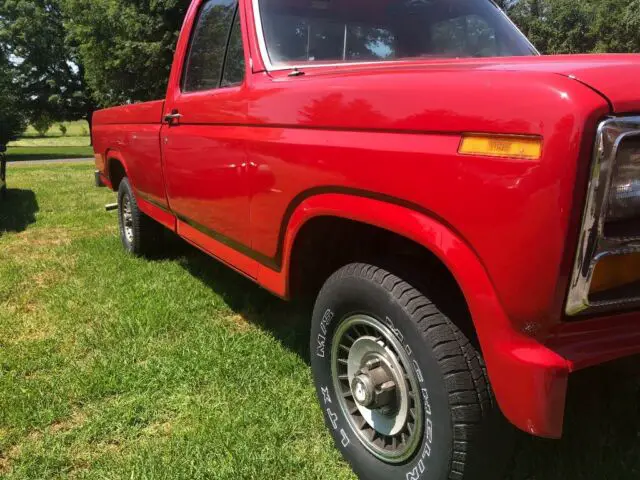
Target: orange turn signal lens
(615, 271)
(505, 146)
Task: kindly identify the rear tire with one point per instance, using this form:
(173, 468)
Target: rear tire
(375, 336)
(140, 234)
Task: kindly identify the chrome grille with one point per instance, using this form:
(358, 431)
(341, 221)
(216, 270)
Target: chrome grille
(594, 243)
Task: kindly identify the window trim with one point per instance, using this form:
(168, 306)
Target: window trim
(236, 16)
(185, 62)
(270, 67)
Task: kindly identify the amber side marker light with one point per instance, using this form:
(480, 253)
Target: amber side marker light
(504, 146)
(615, 271)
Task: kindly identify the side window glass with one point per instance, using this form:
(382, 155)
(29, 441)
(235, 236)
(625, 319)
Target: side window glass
(234, 64)
(208, 43)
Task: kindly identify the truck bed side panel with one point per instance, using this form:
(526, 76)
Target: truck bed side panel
(131, 135)
(138, 113)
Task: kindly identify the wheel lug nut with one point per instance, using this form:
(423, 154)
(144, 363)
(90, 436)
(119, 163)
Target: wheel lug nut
(372, 364)
(386, 387)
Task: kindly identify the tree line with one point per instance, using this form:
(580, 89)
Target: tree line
(62, 59)
(578, 26)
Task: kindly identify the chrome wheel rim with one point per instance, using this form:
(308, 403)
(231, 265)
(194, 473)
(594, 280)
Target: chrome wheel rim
(377, 388)
(127, 218)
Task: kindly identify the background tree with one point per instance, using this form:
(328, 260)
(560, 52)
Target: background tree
(615, 26)
(47, 68)
(42, 123)
(125, 46)
(12, 120)
(587, 26)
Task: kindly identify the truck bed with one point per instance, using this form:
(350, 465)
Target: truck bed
(138, 113)
(132, 132)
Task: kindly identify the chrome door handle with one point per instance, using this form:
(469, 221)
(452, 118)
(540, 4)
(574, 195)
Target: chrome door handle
(170, 117)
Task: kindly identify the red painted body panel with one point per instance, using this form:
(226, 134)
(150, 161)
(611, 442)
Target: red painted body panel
(613, 75)
(528, 202)
(159, 214)
(137, 148)
(228, 255)
(247, 167)
(206, 162)
(136, 114)
(591, 342)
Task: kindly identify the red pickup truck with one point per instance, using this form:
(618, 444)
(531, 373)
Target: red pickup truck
(465, 211)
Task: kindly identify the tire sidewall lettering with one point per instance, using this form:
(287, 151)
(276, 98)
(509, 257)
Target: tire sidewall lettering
(334, 417)
(332, 412)
(321, 338)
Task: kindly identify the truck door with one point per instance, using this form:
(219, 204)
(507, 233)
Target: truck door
(204, 154)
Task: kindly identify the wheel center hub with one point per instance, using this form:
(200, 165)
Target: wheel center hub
(377, 385)
(362, 391)
(380, 394)
(373, 386)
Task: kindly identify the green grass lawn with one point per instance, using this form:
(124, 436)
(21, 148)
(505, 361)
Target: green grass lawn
(74, 144)
(40, 142)
(18, 154)
(117, 367)
(79, 128)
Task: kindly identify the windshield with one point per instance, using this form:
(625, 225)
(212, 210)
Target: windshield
(297, 32)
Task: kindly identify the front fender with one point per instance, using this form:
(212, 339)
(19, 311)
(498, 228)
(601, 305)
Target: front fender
(528, 379)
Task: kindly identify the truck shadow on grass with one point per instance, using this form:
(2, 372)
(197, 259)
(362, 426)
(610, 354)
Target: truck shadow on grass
(288, 322)
(17, 211)
(602, 430)
(602, 427)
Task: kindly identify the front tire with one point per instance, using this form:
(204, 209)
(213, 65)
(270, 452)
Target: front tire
(139, 233)
(403, 391)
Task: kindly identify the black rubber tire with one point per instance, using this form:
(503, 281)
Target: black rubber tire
(463, 413)
(147, 233)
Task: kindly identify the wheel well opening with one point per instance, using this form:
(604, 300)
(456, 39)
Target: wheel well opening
(326, 244)
(116, 173)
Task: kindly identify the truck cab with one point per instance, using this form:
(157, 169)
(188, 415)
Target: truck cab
(463, 211)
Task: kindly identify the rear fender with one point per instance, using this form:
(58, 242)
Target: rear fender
(110, 156)
(161, 215)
